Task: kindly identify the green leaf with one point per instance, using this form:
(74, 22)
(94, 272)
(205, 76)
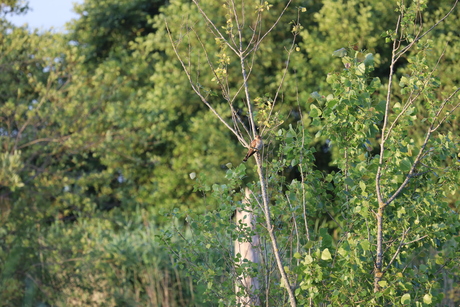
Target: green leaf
(308, 259)
(405, 299)
(326, 255)
(332, 103)
(325, 237)
(406, 164)
(361, 70)
(315, 95)
(365, 245)
(401, 212)
(439, 260)
(369, 60)
(362, 185)
(349, 181)
(309, 244)
(342, 252)
(340, 53)
(315, 111)
(427, 298)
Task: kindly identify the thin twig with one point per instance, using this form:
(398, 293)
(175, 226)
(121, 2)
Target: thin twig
(291, 49)
(203, 99)
(428, 31)
(401, 244)
(213, 26)
(271, 28)
(448, 113)
(385, 119)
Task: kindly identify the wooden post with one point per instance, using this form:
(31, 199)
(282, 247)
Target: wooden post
(247, 250)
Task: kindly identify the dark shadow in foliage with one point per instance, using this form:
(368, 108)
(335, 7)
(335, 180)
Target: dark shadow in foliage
(112, 24)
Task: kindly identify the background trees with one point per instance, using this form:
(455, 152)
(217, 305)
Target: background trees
(100, 134)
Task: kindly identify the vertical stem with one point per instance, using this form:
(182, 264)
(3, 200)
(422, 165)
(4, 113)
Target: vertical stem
(379, 215)
(346, 175)
(276, 252)
(379, 257)
(385, 117)
(307, 232)
(246, 92)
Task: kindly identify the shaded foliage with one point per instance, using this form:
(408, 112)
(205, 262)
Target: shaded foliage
(99, 132)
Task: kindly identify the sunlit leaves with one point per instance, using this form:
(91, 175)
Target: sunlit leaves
(405, 299)
(10, 166)
(263, 7)
(326, 255)
(112, 123)
(315, 111)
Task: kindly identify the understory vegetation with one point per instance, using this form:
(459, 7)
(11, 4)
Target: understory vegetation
(122, 142)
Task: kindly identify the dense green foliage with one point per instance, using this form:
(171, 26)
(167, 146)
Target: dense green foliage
(118, 185)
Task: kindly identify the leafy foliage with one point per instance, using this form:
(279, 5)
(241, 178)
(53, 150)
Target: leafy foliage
(100, 135)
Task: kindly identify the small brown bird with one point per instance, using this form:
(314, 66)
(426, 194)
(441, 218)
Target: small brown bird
(255, 146)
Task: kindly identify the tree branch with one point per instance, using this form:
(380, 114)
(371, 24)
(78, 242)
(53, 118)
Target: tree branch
(203, 99)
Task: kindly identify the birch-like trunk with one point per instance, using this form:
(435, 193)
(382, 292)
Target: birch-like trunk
(247, 250)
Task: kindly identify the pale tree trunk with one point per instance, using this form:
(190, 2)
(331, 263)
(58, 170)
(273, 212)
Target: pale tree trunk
(247, 250)
(387, 129)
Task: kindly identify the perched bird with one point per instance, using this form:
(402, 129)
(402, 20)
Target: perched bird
(255, 146)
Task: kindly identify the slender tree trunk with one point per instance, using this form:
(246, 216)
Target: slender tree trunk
(271, 233)
(378, 273)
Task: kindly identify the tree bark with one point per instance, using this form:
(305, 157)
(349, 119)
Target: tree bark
(247, 250)
(271, 233)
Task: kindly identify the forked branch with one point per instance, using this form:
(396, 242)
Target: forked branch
(197, 91)
(242, 53)
(387, 130)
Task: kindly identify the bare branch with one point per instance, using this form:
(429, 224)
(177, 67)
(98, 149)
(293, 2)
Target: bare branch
(385, 119)
(412, 99)
(272, 27)
(401, 244)
(55, 140)
(203, 99)
(32, 112)
(427, 31)
(225, 90)
(271, 233)
(291, 49)
(213, 26)
(236, 20)
(416, 240)
(421, 152)
(448, 113)
(237, 119)
(248, 97)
